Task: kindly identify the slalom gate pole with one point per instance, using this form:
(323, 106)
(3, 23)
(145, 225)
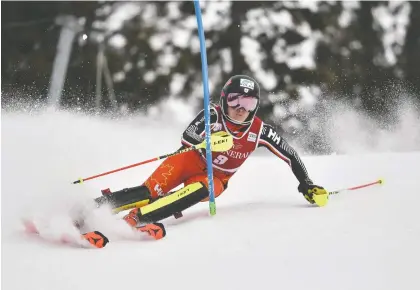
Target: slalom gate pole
(212, 202)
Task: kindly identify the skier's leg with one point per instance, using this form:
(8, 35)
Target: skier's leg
(166, 176)
(195, 190)
(145, 218)
(171, 173)
(173, 203)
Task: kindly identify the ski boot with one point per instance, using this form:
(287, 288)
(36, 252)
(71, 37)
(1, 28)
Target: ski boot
(96, 239)
(155, 230)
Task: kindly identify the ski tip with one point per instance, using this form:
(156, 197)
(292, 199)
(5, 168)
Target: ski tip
(155, 230)
(29, 226)
(96, 239)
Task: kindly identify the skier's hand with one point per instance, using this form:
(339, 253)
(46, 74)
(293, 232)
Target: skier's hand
(315, 194)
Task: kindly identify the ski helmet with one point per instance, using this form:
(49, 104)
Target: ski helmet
(237, 87)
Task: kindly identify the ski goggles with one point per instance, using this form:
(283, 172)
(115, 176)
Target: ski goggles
(236, 100)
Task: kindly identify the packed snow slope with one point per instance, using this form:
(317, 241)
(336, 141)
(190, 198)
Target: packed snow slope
(264, 235)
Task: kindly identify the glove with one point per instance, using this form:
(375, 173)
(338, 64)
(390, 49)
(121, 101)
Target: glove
(315, 194)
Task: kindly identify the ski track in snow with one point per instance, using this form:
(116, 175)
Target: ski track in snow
(264, 235)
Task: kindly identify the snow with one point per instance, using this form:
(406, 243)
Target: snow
(264, 235)
(122, 13)
(118, 41)
(251, 49)
(394, 25)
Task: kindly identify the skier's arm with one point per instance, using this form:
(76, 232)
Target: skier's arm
(270, 139)
(194, 134)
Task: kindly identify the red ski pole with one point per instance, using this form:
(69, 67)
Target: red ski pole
(81, 180)
(220, 142)
(379, 181)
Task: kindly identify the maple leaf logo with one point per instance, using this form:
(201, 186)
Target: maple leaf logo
(165, 175)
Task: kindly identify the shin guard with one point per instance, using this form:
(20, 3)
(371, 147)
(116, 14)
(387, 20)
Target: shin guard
(173, 203)
(125, 199)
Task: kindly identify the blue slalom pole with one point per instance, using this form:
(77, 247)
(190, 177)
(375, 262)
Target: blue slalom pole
(212, 202)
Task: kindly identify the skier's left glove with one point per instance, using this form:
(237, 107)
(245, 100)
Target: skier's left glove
(315, 194)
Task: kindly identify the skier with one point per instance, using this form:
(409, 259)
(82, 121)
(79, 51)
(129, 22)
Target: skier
(239, 101)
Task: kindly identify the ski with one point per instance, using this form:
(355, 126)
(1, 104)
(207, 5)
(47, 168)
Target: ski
(93, 239)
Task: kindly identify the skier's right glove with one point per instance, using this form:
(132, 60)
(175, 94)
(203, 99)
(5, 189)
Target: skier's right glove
(315, 194)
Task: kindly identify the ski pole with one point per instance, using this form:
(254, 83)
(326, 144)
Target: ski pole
(220, 142)
(379, 181)
(322, 199)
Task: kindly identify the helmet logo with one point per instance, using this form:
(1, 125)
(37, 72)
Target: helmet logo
(246, 90)
(247, 84)
(228, 82)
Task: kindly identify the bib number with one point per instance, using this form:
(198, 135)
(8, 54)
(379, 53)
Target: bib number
(221, 159)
